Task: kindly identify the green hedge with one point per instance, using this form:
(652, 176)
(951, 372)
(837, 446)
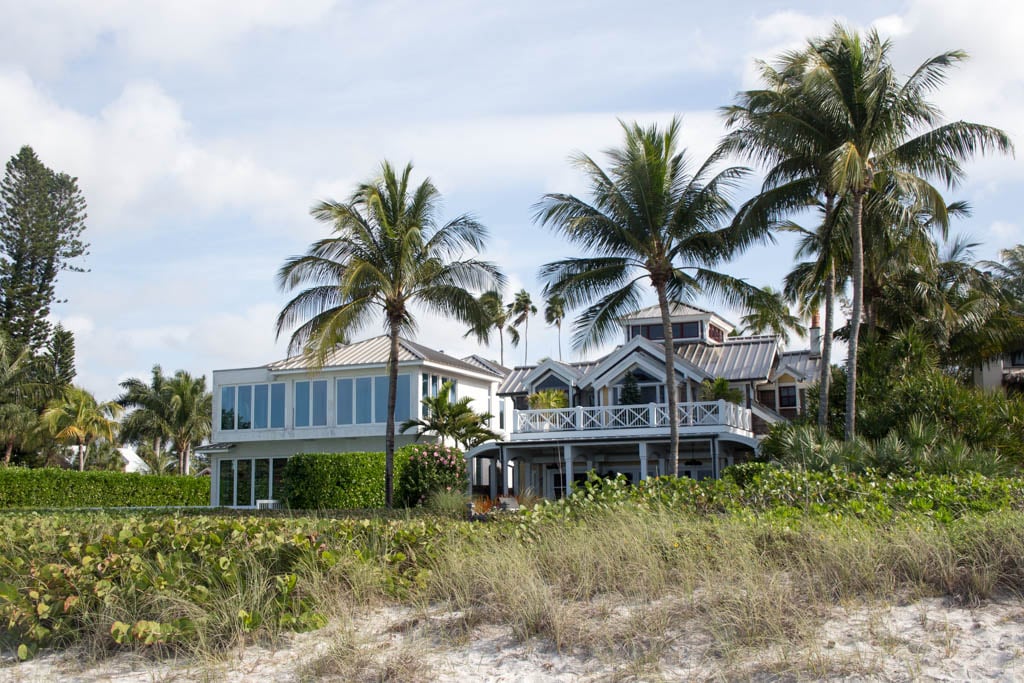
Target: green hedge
(49, 487)
(337, 481)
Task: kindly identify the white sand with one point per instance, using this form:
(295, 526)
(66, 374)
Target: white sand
(926, 640)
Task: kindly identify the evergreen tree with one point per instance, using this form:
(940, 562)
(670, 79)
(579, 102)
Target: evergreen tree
(59, 358)
(630, 394)
(42, 217)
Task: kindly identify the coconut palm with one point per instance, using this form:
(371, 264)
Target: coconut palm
(654, 218)
(496, 316)
(389, 252)
(190, 414)
(77, 419)
(522, 308)
(851, 81)
(19, 390)
(719, 389)
(768, 312)
(148, 422)
(453, 420)
(554, 314)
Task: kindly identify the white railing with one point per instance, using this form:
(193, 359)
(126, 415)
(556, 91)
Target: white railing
(652, 415)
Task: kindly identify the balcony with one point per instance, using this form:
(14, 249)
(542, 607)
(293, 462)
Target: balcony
(704, 417)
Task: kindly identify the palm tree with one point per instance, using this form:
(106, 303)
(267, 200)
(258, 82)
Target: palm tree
(651, 218)
(149, 419)
(496, 316)
(554, 314)
(852, 83)
(720, 389)
(453, 420)
(388, 252)
(76, 418)
(19, 388)
(156, 462)
(768, 312)
(190, 413)
(522, 308)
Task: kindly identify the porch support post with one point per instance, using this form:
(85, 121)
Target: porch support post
(470, 467)
(504, 472)
(493, 478)
(643, 460)
(714, 457)
(567, 449)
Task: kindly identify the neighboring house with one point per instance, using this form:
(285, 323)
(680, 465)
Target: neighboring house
(1005, 373)
(263, 415)
(547, 448)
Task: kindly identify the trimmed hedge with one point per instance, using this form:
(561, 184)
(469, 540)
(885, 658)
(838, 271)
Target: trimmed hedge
(50, 487)
(337, 481)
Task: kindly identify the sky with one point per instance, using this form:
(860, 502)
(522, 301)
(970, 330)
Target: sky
(202, 131)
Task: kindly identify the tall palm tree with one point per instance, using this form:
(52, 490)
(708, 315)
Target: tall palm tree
(652, 217)
(19, 389)
(149, 419)
(522, 308)
(190, 414)
(496, 316)
(76, 418)
(851, 81)
(389, 251)
(554, 314)
(769, 312)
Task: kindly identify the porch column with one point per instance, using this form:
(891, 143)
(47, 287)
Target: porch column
(493, 478)
(470, 467)
(567, 450)
(643, 460)
(504, 472)
(714, 457)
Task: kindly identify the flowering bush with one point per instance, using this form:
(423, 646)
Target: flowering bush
(429, 468)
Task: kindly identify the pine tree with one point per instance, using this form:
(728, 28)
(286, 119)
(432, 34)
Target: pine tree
(630, 394)
(42, 217)
(60, 357)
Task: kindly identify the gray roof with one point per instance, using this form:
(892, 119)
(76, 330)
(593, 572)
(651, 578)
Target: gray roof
(375, 351)
(674, 309)
(515, 382)
(215, 448)
(738, 358)
(801, 363)
(489, 365)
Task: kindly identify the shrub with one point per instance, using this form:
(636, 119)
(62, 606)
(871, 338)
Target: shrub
(337, 481)
(429, 468)
(56, 488)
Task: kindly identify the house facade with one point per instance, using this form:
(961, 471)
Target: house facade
(602, 430)
(264, 415)
(1005, 373)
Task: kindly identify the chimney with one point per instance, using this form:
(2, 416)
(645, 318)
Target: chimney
(815, 335)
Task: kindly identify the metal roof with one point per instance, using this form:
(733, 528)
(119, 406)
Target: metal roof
(375, 351)
(800, 363)
(738, 358)
(515, 382)
(215, 448)
(489, 365)
(674, 309)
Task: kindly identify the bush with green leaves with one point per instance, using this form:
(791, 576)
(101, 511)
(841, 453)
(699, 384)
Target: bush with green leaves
(51, 487)
(429, 468)
(337, 481)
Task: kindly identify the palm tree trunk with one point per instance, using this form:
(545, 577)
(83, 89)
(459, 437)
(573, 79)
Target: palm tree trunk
(855, 314)
(501, 346)
(81, 457)
(8, 450)
(526, 340)
(389, 430)
(559, 326)
(670, 380)
(187, 456)
(825, 380)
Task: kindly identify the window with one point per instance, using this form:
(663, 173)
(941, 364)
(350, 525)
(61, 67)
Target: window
(243, 482)
(380, 398)
(245, 406)
(252, 406)
(364, 396)
(501, 412)
(787, 396)
(690, 330)
(403, 401)
(716, 333)
(655, 331)
(227, 408)
(1017, 358)
(226, 489)
(344, 402)
(311, 403)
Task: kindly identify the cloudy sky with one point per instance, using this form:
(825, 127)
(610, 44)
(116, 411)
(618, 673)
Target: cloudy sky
(202, 131)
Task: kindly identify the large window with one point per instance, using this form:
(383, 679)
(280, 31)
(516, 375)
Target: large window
(787, 396)
(311, 403)
(243, 481)
(364, 400)
(432, 385)
(690, 330)
(252, 406)
(1017, 359)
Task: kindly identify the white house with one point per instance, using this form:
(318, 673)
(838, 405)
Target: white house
(1004, 373)
(546, 448)
(263, 415)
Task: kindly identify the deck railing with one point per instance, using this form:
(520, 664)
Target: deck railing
(649, 416)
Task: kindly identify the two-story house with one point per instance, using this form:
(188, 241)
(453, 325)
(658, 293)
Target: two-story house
(265, 414)
(546, 448)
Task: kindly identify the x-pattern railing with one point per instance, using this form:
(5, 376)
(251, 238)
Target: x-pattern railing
(707, 413)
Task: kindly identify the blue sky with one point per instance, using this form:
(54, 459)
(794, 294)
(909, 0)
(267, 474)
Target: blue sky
(202, 132)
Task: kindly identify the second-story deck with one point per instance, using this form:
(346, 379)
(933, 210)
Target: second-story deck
(709, 417)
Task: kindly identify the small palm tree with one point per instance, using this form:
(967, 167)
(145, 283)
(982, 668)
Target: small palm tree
(652, 218)
(77, 419)
(548, 399)
(389, 252)
(149, 419)
(720, 389)
(19, 390)
(522, 308)
(554, 314)
(453, 420)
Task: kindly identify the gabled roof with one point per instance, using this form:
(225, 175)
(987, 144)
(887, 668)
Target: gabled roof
(489, 365)
(375, 351)
(800, 364)
(736, 359)
(517, 382)
(636, 348)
